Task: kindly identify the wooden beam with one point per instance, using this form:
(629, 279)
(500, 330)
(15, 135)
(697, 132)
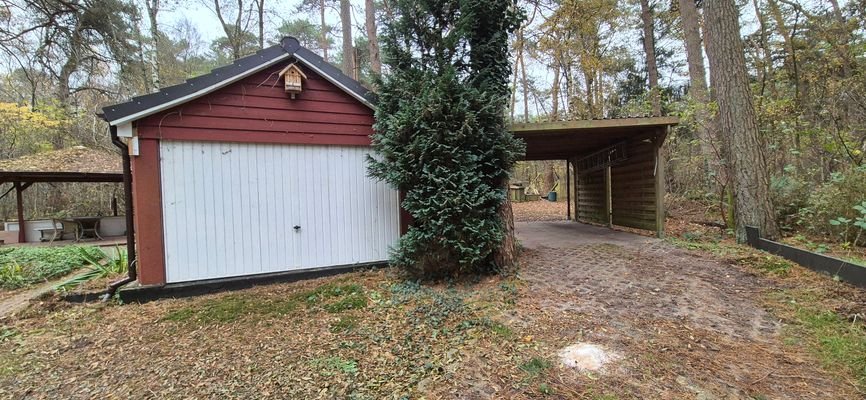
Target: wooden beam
(594, 124)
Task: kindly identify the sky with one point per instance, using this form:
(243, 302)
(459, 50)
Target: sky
(198, 12)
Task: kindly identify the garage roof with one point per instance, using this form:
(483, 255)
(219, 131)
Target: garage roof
(564, 139)
(142, 106)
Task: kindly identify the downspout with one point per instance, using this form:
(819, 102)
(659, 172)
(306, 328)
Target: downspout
(130, 226)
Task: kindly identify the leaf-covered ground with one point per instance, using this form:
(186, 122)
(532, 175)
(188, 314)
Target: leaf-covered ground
(708, 321)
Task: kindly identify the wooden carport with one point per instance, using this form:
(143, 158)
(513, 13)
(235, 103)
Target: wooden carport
(618, 169)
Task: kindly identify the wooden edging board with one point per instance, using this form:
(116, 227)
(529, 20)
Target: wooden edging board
(845, 271)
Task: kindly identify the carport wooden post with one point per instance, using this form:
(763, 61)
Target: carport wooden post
(660, 182)
(568, 189)
(608, 198)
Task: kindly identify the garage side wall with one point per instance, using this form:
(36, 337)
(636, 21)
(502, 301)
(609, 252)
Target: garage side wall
(634, 187)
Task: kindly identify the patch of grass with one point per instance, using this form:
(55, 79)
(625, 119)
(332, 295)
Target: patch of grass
(322, 293)
(24, 266)
(837, 341)
(333, 365)
(230, 308)
(344, 324)
(335, 298)
(7, 333)
(774, 265)
(501, 330)
(353, 301)
(535, 366)
(545, 389)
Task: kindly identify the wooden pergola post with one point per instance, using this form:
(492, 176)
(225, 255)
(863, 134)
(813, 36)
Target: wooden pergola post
(19, 202)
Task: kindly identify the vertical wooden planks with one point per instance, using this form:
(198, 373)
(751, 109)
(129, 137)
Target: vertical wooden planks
(230, 209)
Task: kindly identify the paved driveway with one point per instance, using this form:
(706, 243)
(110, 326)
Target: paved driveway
(695, 322)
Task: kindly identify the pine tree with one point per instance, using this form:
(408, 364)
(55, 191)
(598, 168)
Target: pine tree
(441, 132)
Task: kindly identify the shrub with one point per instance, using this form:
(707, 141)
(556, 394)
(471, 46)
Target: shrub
(832, 200)
(789, 194)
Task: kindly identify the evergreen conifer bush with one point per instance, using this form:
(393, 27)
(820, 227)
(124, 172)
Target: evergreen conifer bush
(441, 131)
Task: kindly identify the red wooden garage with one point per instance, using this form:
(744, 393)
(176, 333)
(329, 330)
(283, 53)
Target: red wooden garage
(254, 169)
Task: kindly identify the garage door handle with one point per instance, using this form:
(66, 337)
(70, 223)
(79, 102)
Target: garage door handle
(296, 227)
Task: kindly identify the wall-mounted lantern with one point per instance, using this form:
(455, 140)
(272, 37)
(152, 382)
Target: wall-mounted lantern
(293, 78)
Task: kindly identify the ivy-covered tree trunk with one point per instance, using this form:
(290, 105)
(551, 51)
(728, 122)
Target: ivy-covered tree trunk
(442, 136)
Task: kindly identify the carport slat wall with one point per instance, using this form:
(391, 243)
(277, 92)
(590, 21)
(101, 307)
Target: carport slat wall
(633, 187)
(590, 197)
(229, 209)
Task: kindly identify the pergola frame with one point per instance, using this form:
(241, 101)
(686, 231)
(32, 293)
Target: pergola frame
(21, 180)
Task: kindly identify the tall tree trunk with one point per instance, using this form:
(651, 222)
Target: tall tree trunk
(155, 39)
(523, 80)
(752, 205)
(589, 77)
(514, 84)
(348, 65)
(146, 75)
(787, 40)
(698, 84)
(649, 47)
(372, 36)
(766, 57)
(260, 8)
(505, 256)
(554, 92)
(323, 39)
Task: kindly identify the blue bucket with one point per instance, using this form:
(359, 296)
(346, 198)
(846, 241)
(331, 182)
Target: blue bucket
(551, 196)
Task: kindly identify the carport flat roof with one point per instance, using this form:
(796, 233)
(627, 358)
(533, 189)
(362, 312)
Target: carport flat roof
(561, 140)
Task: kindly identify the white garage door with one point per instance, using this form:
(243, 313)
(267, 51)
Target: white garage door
(232, 209)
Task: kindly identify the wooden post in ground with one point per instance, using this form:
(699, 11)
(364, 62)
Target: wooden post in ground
(608, 202)
(660, 183)
(568, 189)
(19, 202)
